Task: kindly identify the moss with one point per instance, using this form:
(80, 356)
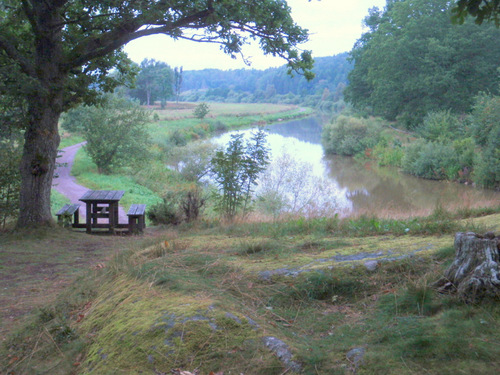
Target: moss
(136, 328)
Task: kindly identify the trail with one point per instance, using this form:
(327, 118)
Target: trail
(66, 184)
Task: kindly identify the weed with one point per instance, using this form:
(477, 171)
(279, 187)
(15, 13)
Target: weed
(255, 247)
(319, 286)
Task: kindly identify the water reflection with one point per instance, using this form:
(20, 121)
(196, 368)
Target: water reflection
(364, 187)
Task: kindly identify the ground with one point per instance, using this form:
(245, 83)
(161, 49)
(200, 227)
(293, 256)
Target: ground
(36, 267)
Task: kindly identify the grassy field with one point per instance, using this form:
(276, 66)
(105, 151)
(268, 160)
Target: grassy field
(293, 297)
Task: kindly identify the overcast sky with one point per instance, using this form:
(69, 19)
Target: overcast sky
(334, 26)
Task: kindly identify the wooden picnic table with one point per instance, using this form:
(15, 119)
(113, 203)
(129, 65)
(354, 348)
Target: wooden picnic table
(102, 204)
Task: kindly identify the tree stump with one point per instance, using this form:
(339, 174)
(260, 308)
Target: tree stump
(475, 273)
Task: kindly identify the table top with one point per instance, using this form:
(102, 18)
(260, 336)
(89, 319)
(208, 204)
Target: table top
(102, 196)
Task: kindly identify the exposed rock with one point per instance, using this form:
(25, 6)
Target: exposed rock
(282, 351)
(371, 265)
(356, 356)
(233, 317)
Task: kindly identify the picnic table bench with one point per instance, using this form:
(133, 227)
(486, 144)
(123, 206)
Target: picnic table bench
(103, 204)
(65, 213)
(136, 218)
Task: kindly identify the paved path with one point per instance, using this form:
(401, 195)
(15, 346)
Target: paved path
(66, 184)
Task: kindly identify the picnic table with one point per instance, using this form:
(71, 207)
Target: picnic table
(102, 204)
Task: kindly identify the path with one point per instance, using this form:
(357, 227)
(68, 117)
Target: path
(66, 184)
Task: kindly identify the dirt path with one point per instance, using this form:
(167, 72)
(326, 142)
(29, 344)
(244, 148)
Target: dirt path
(66, 184)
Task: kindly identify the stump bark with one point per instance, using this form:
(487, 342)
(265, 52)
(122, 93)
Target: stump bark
(475, 272)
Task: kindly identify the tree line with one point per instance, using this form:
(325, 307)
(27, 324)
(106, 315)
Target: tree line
(419, 70)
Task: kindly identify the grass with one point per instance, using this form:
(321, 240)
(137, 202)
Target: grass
(226, 115)
(86, 173)
(203, 295)
(197, 298)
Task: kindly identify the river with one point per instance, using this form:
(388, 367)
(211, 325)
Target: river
(350, 187)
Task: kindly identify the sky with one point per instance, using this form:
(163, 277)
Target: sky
(334, 26)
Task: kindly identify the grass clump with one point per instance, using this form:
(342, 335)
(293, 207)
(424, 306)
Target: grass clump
(256, 247)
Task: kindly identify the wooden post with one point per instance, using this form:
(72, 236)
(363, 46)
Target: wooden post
(88, 220)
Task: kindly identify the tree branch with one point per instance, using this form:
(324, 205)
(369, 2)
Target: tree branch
(12, 53)
(130, 30)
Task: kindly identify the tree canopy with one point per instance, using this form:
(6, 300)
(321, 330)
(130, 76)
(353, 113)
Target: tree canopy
(413, 60)
(481, 10)
(59, 53)
(154, 82)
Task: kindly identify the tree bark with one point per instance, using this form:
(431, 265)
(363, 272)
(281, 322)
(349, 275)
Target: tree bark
(38, 164)
(41, 138)
(475, 273)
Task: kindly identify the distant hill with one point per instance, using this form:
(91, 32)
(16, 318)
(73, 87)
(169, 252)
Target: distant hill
(270, 85)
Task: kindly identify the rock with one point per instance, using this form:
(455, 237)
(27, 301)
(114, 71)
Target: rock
(371, 265)
(233, 317)
(281, 350)
(356, 356)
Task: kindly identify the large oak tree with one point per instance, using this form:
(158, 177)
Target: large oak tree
(57, 53)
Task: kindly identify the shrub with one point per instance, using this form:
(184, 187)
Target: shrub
(349, 135)
(182, 203)
(431, 160)
(388, 155)
(487, 172)
(178, 138)
(165, 212)
(441, 126)
(10, 178)
(201, 111)
(485, 117)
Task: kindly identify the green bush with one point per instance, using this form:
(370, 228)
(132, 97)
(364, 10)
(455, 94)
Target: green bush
(441, 126)
(10, 178)
(487, 172)
(181, 203)
(431, 160)
(350, 135)
(165, 212)
(178, 138)
(388, 155)
(485, 117)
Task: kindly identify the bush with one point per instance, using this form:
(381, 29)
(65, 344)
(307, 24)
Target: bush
(487, 172)
(388, 155)
(201, 111)
(431, 160)
(10, 178)
(485, 117)
(178, 138)
(181, 204)
(349, 135)
(441, 126)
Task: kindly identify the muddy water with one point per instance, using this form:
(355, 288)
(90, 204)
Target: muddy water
(366, 188)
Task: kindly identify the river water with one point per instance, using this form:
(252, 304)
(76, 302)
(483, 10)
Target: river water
(348, 186)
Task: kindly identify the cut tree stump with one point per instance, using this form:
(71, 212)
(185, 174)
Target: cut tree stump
(475, 272)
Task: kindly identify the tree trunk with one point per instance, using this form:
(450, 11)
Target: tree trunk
(41, 138)
(38, 162)
(475, 273)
